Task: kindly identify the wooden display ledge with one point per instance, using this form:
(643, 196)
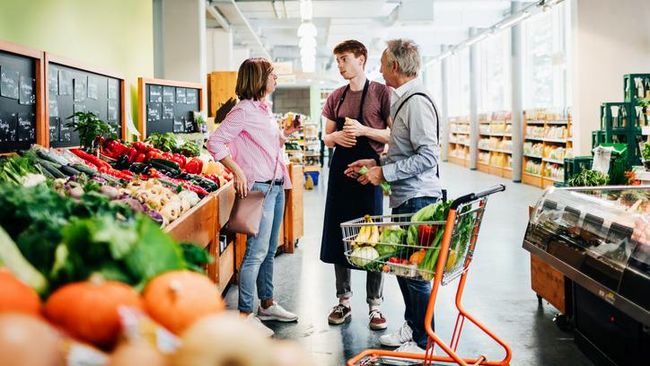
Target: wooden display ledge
(457, 161)
(547, 282)
(482, 167)
(196, 225)
(293, 225)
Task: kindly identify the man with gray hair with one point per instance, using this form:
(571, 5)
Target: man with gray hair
(411, 167)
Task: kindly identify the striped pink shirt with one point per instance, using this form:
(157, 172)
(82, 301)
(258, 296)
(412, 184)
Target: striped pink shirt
(251, 136)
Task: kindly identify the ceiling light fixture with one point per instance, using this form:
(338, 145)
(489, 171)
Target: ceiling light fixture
(536, 7)
(306, 10)
(307, 29)
(509, 22)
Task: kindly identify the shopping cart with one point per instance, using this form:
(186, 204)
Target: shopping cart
(426, 250)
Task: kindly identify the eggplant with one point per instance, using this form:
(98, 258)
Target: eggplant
(122, 162)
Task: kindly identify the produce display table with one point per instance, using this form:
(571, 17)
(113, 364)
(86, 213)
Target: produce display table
(293, 209)
(203, 224)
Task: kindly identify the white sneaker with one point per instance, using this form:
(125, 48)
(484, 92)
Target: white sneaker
(276, 312)
(397, 338)
(255, 322)
(408, 347)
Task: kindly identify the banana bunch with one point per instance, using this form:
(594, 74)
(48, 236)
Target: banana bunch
(368, 234)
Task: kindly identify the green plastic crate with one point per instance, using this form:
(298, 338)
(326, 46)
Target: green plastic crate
(630, 87)
(573, 166)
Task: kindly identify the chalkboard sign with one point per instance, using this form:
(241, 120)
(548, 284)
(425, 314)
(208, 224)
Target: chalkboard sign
(168, 106)
(72, 88)
(20, 111)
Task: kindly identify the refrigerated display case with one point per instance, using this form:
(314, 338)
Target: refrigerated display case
(599, 238)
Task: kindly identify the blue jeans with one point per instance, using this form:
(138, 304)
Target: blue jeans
(416, 293)
(257, 265)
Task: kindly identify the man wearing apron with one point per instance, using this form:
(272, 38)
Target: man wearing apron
(364, 137)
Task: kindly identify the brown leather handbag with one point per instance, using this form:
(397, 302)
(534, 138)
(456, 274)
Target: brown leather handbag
(246, 214)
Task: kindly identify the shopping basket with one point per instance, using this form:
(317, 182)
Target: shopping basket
(438, 251)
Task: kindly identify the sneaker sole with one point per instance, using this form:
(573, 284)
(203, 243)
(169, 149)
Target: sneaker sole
(266, 318)
(347, 319)
(378, 327)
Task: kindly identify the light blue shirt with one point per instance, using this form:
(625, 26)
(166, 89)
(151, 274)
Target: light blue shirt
(413, 151)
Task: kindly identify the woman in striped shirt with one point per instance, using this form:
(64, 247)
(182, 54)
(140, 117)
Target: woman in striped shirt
(249, 143)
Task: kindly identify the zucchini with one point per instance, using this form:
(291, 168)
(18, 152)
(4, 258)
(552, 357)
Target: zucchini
(85, 169)
(170, 164)
(46, 155)
(52, 169)
(13, 259)
(69, 171)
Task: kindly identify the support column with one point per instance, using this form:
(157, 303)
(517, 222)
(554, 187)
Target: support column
(219, 50)
(183, 34)
(517, 96)
(473, 102)
(444, 105)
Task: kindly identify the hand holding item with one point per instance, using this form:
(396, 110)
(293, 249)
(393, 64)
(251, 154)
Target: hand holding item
(374, 176)
(353, 128)
(353, 170)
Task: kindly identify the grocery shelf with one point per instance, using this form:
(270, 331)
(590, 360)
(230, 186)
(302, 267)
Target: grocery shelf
(532, 156)
(555, 161)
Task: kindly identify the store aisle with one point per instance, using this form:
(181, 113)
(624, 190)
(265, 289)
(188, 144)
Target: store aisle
(498, 288)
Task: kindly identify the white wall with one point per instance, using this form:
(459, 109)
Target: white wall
(609, 39)
(184, 53)
(219, 50)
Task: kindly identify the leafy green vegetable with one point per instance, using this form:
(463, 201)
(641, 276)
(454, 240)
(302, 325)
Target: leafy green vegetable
(189, 149)
(389, 240)
(433, 212)
(589, 178)
(163, 141)
(13, 169)
(155, 253)
(89, 127)
(12, 258)
(195, 257)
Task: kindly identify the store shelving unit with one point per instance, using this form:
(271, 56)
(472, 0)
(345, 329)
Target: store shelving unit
(547, 141)
(495, 144)
(459, 141)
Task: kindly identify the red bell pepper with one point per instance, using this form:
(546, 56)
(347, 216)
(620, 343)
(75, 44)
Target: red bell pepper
(140, 146)
(153, 154)
(132, 154)
(180, 159)
(426, 234)
(194, 166)
(140, 158)
(167, 156)
(196, 189)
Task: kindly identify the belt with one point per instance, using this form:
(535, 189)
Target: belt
(279, 182)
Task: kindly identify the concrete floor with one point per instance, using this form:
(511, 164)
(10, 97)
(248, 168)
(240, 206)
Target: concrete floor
(497, 292)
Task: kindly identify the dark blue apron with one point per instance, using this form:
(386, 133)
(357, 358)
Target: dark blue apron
(347, 199)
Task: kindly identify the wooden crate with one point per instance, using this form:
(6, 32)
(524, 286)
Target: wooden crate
(457, 161)
(197, 225)
(293, 210)
(548, 283)
(225, 202)
(507, 173)
(226, 266)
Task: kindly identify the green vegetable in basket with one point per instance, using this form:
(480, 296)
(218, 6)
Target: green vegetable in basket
(363, 256)
(433, 212)
(390, 239)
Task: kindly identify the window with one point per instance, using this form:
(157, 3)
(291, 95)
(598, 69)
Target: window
(494, 73)
(545, 59)
(459, 83)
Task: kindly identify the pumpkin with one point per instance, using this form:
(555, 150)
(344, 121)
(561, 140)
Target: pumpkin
(223, 339)
(137, 353)
(25, 340)
(17, 297)
(176, 299)
(88, 310)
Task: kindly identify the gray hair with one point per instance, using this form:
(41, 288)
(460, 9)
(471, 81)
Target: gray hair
(406, 54)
